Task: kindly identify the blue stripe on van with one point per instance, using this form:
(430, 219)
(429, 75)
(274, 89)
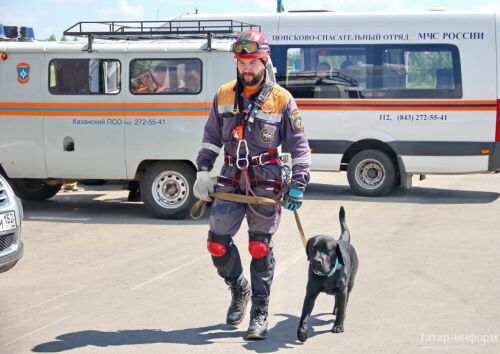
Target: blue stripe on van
(382, 105)
(102, 109)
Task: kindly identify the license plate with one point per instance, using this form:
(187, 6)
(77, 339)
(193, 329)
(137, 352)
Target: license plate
(7, 221)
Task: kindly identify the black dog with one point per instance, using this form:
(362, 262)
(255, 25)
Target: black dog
(332, 268)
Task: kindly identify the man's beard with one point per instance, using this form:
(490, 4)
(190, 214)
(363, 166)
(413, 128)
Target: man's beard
(255, 80)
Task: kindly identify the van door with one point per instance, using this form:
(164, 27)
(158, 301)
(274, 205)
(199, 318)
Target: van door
(21, 123)
(84, 127)
(166, 107)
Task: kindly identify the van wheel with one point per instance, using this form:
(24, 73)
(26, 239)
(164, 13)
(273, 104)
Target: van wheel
(371, 173)
(166, 189)
(32, 190)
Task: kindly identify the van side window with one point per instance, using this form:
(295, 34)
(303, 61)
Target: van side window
(418, 72)
(369, 71)
(165, 76)
(324, 72)
(84, 76)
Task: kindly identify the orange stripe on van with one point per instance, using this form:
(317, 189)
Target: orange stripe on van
(404, 108)
(105, 114)
(100, 109)
(104, 105)
(396, 105)
(382, 102)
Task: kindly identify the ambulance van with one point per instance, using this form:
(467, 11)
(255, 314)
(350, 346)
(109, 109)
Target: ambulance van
(385, 96)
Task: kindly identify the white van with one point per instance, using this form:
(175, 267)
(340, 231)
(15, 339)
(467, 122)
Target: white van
(112, 110)
(401, 95)
(386, 96)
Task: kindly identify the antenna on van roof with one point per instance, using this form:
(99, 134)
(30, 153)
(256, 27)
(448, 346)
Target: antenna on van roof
(175, 29)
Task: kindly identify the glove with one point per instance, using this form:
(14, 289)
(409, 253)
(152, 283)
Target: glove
(203, 186)
(293, 200)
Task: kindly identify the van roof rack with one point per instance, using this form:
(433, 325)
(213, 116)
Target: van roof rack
(173, 29)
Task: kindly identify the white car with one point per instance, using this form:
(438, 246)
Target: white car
(11, 214)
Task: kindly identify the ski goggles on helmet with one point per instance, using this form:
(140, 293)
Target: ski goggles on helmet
(247, 47)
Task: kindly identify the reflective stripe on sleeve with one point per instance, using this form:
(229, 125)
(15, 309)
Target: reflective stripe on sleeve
(222, 108)
(269, 117)
(304, 160)
(212, 147)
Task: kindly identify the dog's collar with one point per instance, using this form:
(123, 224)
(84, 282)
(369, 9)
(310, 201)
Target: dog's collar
(336, 267)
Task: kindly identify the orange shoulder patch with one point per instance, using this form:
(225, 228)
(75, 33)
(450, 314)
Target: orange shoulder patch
(226, 93)
(280, 98)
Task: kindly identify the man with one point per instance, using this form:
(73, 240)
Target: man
(192, 81)
(323, 69)
(251, 117)
(323, 72)
(151, 81)
(160, 78)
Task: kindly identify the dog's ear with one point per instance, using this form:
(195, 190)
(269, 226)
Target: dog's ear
(308, 247)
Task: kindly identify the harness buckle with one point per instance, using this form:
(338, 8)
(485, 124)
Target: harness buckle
(260, 159)
(242, 143)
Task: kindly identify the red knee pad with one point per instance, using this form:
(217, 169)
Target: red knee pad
(258, 249)
(216, 249)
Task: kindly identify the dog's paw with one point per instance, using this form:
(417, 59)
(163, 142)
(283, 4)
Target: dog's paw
(302, 334)
(338, 329)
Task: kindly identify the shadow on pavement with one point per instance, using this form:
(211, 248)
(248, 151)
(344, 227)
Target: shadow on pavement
(281, 336)
(93, 208)
(417, 195)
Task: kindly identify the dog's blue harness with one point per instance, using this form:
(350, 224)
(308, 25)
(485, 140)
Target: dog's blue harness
(336, 267)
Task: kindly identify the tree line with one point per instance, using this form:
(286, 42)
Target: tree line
(53, 38)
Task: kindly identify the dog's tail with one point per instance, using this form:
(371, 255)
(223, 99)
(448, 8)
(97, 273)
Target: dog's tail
(346, 236)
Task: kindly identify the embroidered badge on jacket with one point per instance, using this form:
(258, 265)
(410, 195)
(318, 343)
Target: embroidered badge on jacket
(267, 135)
(297, 121)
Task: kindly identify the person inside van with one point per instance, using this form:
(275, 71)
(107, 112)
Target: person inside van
(322, 88)
(192, 81)
(160, 78)
(322, 72)
(151, 81)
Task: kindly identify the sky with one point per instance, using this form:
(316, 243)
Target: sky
(54, 16)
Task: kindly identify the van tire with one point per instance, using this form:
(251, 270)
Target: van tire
(167, 189)
(34, 190)
(371, 173)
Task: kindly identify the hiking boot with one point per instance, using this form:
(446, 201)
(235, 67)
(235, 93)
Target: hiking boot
(240, 294)
(258, 318)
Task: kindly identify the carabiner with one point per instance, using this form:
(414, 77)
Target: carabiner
(243, 143)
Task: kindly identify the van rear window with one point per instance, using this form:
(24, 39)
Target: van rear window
(165, 76)
(369, 71)
(84, 76)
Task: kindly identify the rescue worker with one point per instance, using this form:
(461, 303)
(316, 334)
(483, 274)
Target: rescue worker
(251, 117)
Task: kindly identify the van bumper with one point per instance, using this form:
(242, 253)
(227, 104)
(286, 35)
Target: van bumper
(494, 163)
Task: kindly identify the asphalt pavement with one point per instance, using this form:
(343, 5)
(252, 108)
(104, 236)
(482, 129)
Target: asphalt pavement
(100, 275)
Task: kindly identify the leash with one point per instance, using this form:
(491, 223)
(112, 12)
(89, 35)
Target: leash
(201, 206)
